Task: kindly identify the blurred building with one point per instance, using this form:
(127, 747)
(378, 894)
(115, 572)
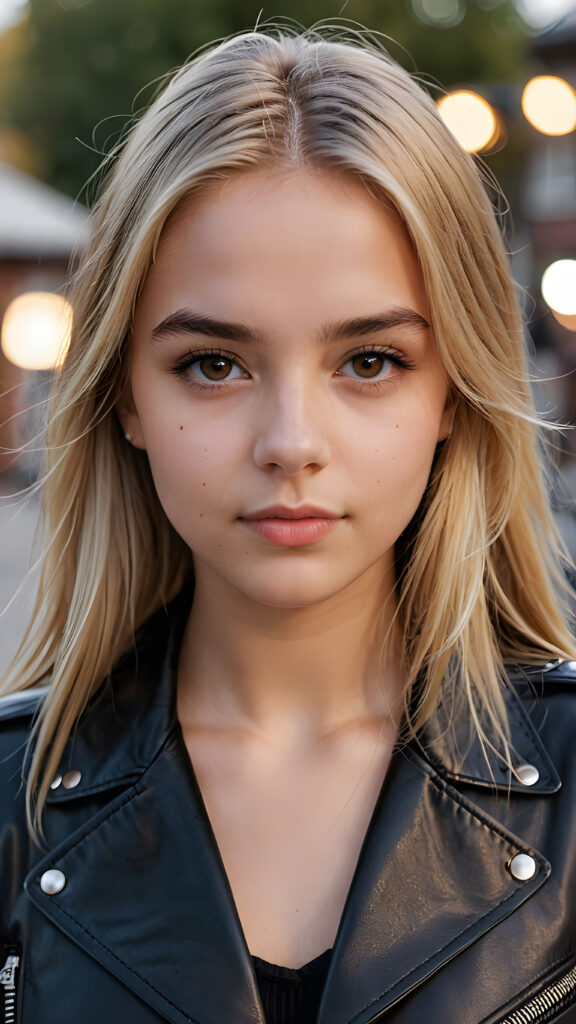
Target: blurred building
(549, 210)
(39, 232)
(550, 195)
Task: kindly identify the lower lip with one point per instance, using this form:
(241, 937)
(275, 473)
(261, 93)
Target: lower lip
(291, 533)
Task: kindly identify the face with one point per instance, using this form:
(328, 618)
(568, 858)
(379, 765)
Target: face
(286, 386)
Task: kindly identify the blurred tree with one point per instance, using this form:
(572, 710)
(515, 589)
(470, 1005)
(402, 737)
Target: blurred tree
(72, 68)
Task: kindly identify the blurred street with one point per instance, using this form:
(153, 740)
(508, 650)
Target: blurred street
(17, 525)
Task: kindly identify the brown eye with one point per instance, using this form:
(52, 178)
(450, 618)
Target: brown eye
(215, 367)
(369, 364)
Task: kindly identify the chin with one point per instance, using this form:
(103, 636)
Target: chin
(293, 594)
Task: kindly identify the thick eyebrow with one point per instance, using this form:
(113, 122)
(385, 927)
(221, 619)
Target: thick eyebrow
(396, 316)
(185, 321)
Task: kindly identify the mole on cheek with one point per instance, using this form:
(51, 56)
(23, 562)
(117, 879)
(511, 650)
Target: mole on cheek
(181, 428)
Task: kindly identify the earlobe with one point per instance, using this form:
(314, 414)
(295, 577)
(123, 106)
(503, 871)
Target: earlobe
(129, 419)
(447, 419)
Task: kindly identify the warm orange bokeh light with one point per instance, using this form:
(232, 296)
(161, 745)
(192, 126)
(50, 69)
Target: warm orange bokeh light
(36, 330)
(471, 119)
(549, 104)
(566, 320)
(559, 287)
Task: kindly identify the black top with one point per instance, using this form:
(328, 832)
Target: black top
(292, 996)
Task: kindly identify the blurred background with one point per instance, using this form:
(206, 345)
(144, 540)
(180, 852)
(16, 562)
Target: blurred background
(73, 73)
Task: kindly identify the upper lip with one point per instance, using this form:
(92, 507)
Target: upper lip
(299, 512)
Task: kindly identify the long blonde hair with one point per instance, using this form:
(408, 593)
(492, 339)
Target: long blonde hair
(479, 581)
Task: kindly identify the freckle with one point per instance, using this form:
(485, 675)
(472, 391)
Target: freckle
(397, 425)
(203, 484)
(201, 515)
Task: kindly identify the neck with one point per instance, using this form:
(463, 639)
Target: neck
(291, 673)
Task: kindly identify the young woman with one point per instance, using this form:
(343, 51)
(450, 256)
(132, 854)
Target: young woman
(290, 737)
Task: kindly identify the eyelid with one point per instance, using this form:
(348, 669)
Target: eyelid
(205, 351)
(372, 346)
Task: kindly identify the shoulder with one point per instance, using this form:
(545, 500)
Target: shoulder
(555, 677)
(560, 673)
(17, 713)
(21, 705)
(548, 695)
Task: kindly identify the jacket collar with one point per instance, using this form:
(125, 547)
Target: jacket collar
(452, 746)
(172, 934)
(127, 721)
(139, 700)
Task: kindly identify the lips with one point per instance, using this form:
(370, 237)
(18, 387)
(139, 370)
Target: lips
(285, 512)
(286, 527)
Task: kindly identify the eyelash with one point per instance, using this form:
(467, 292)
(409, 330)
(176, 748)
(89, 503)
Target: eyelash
(198, 354)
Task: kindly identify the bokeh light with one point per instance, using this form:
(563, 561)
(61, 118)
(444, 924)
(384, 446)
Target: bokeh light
(559, 287)
(440, 13)
(36, 330)
(569, 322)
(549, 104)
(471, 119)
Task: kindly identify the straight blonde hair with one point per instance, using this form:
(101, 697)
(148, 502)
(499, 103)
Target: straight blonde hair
(480, 574)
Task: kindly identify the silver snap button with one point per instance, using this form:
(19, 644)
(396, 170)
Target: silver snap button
(527, 774)
(56, 782)
(52, 881)
(522, 867)
(71, 779)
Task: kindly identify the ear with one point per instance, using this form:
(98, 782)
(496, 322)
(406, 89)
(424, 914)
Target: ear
(129, 418)
(447, 420)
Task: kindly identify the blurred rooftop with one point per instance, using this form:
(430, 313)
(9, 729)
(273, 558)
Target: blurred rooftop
(36, 221)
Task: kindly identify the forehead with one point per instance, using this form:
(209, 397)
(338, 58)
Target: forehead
(270, 242)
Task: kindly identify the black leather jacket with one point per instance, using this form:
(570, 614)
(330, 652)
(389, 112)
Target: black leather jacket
(436, 929)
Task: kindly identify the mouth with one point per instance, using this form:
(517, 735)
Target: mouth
(287, 527)
(285, 512)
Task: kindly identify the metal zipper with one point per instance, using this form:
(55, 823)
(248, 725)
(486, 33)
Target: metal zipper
(8, 982)
(551, 998)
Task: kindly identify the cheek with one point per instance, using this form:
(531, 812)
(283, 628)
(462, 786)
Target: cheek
(191, 465)
(404, 441)
(393, 466)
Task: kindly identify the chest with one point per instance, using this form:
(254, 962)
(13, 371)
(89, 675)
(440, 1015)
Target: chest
(290, 831)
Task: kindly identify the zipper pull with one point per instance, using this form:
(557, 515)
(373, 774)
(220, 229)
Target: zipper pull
(8, 982)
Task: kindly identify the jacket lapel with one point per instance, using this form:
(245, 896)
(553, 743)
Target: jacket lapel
(146, 895)
(431, 879)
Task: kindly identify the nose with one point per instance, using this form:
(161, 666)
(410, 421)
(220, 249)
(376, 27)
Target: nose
(292, 431)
